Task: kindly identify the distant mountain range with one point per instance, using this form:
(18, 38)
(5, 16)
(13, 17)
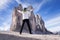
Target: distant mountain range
(58, 33)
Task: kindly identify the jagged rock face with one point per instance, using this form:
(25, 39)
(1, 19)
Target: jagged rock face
(40, 23)
(36, 22)
(16, 20)
(40, 27)
(33, 21)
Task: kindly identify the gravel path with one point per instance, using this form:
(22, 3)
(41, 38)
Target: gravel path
(26, 36)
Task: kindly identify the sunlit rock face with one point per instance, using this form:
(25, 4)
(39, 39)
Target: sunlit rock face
(36, 22)
(16, 19)
(40, 26)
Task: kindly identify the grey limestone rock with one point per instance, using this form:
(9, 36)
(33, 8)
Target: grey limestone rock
(36, 22)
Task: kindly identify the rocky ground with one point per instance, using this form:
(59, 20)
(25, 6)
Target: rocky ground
(26, 36)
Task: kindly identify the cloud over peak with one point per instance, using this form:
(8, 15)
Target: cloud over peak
(4, 4)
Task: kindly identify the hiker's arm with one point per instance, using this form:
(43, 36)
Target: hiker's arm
(20, 11)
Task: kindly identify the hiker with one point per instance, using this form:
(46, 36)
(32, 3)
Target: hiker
(26, 14)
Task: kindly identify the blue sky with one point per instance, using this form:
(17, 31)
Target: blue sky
(48, 9)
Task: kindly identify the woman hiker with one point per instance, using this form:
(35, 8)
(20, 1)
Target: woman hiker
(26, 14)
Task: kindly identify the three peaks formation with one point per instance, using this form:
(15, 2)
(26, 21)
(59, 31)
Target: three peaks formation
(36, 22)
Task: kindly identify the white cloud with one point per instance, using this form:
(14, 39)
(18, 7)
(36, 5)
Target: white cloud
(18, 1)
(4, 4)
(1, 28)
(6, 25)
(53, 21)
(39, 5)
(54, 29)
(7, 22)
(53, 24)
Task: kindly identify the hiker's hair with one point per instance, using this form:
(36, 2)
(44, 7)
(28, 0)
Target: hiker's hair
(25, 9)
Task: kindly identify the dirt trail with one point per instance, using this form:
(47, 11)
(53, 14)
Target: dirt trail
(26, 36)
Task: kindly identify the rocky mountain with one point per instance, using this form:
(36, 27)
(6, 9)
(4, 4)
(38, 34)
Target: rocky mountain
(57, 33)
(36, 22)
